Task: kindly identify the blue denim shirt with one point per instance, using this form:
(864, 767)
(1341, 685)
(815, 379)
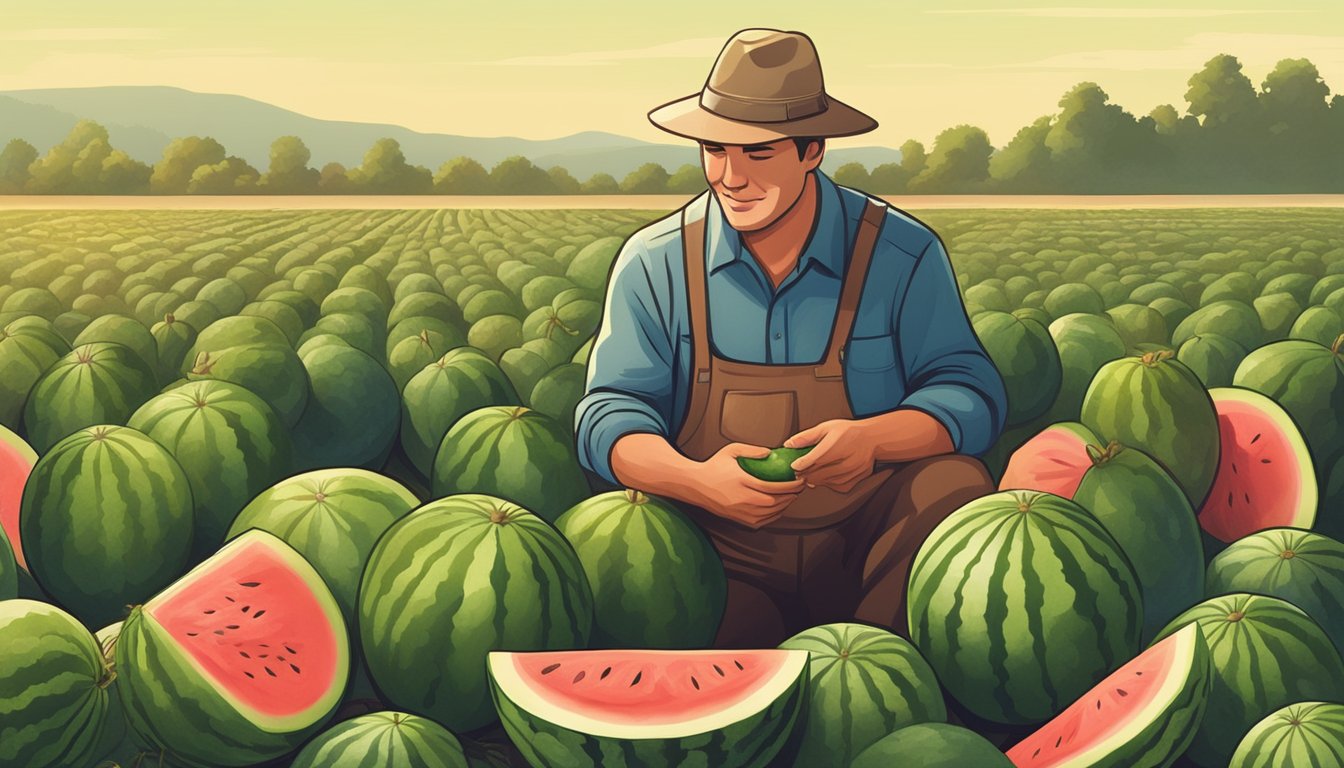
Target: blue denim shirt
(912, 345)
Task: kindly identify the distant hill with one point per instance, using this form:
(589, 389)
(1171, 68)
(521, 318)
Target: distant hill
(141, 120)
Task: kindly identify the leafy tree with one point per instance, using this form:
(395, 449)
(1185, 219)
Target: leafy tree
(124, 175)
(959, 162)
(1024, 164)
(852, 175)
(888, 179)
(1220, 93)
(689, 179)
(289, 173)
(600, 184)
(386, 172)
(462, 176)
(172, 174)
(647, 179)
(562, 182)
(913, 158)
(230, 176)
(1097, 146)
(72, 166)
(14, 161)
(333, 180)
(518, 176)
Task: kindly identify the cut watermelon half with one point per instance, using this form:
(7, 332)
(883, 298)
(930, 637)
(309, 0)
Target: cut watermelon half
(1144, 713)
(1053, 461)
(649, 707)
(238, 661)
(16, 463)
(1266, 477)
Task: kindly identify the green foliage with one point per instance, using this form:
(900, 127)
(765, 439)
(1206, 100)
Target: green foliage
(386, 172)
(518, 176)
(289, 173)
(462, 176)
(173, 173)
(14, 161)
(600, 184)
(647, 179)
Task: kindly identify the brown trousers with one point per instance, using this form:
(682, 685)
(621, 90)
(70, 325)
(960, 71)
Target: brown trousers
(782, 583)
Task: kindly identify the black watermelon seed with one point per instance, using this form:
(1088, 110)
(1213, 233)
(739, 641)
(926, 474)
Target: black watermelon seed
(1253, 439)
(1058, 742)
(249, 674)
(244, 654)
(246, 608)
(231, 626)
(295, 668)
(635, 682)
(604, 674)
(291, 650)
(208, 611)
(739, 664)
(219, 632)
(263, 655)
(257, 615)
(230, 599)
(717, 669)
(249, 583)
(1037, 752)
(268, 671)
(191, 634)
(580, 676)
(1098, 703)
(1122, 691)
(695, 682)
(550, 669)
(1264, 461)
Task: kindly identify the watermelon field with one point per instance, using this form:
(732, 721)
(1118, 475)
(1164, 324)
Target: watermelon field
(299, 488)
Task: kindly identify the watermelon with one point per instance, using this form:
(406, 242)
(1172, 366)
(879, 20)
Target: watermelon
(558, 393)
(1266, 653)
(25, 354)
(776, 466)
(1136, 500)
(238, 662)
(384, 739)
(273, 372)
(864, 682)
(99, 383)
(649, 708)
(1233, 319)
(1085, 343)
(229, 443)
(1212, 357)
(1318, 324)
(463, 380)
(1025, 355)
(1154, 403)
(524, 368)
(515, 453)
(332, 517)
(121, 330)
(352, 414)
(1139, 324)
(454, 579)
(1266, 476)
(93, 507)
(1143, 714)
(172, 340)
(932, 745)
(16, 463)
(1302, 567)
(1307, 733)
(657, 581)
(410, 355)
(1021, 602)
(54, 698)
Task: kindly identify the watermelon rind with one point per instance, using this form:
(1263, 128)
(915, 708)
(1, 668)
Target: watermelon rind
(750, 733)
(171, 703)
(98, 383)
(1308, 733)
(54, 698)
(864, 682)
(931, 745)
(383, 739)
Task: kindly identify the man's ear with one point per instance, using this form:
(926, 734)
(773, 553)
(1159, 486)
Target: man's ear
(814, 154)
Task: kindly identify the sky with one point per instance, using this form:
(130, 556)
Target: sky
(543, 69)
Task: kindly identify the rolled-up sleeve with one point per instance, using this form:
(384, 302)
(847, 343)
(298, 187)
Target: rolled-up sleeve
(948, 373)
(630, 367)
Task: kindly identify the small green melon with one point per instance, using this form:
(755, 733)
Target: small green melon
(774, 467)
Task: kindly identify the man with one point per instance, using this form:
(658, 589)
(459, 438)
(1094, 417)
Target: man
(784, 309)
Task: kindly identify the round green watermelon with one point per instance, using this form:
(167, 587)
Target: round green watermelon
(466, 574)
(932, 745)
(1085, 343)
(515, 453)
(434, 399)
(1156, 404)
(1233, 319)
(352, 414)
(99, 383)
(172, 340)
(386, 739)
(271, 371)
(558, 393)
(25, 354)
(1026, 356)
(1212, 357)
(1307, 733)
(1266, 653)
(230, 444)
(657, 581)
(410, 355)
(524, 368)
(1021, 602)
(1319, 324)
(93, 509)
(121, 330)
(865, 682)
(53, 688)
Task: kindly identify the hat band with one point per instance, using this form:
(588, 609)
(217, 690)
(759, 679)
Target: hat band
(754, 111)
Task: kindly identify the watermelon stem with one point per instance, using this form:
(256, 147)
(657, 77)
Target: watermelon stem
(202, 365)
(1339, 343)
(1151, 359)
(635, 497)
(169, 319)
(1100, 455)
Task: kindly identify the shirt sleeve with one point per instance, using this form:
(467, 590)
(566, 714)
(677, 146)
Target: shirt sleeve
(948, 373)
(630, 367)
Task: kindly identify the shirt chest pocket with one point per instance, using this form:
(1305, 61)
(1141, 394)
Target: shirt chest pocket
(871, 354)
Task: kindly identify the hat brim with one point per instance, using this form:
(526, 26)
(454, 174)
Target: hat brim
(686, 118)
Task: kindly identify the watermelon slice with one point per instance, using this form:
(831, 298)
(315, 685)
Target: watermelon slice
(237, 662)
(1054, 461)
(649, 707)
(1266, 477)
(1143, 714)
(16, 463)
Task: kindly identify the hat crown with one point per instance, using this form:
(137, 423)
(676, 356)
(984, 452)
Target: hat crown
(767, 65)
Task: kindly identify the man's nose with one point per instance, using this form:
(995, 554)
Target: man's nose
(733, 178)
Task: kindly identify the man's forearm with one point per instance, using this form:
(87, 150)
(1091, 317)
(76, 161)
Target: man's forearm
(907, 434)
(649, 463)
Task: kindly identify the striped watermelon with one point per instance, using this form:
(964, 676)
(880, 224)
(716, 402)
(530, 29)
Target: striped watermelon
(53, 688)
(1026, 356)
(25, 354)
(1309, 733)
(123, 330)
(273, 372)
(865, 682)
(332, 517)
(352, 414)
(106, 521)
(1266, 654)
(932, 745)
(384, 739)
(1154, 403)
(236, 663)
(453, 580)
(99, 383)
(231, 445)
(173, 338)
(434, 399)
(1085, 343)
(1302, 567)
(515, 453)
(657, 581)
(1021, 602)
(649, 708)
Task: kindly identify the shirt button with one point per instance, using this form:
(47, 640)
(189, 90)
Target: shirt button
(776, 335)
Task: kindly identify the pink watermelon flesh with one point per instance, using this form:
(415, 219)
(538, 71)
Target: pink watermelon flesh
(262, 637)
(1101, 712)
(648, 687)
(1261, 481)
(1054, 461)
(16, 463)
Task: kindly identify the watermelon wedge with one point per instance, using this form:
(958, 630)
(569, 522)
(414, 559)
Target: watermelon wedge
(239, 661)
(16, 463)
(1266, 477)
(1143, 714)
(649, 708)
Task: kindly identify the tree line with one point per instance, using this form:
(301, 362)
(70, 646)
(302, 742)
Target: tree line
(1285, 136)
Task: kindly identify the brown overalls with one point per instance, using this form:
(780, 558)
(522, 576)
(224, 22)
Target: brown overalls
(830, 556)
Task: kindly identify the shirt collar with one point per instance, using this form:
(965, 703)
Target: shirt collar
(825, 246)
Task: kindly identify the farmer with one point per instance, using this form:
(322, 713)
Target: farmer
(786, 310)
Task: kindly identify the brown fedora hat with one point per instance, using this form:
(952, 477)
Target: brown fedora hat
(765, 86)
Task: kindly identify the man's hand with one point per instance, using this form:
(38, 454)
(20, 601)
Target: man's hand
(720, 485)
(843, 454)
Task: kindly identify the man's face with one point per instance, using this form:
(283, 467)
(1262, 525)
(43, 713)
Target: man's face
(756, 183)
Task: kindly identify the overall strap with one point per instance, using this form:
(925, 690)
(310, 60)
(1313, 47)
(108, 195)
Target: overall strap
(856, 270)
(693, 249)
